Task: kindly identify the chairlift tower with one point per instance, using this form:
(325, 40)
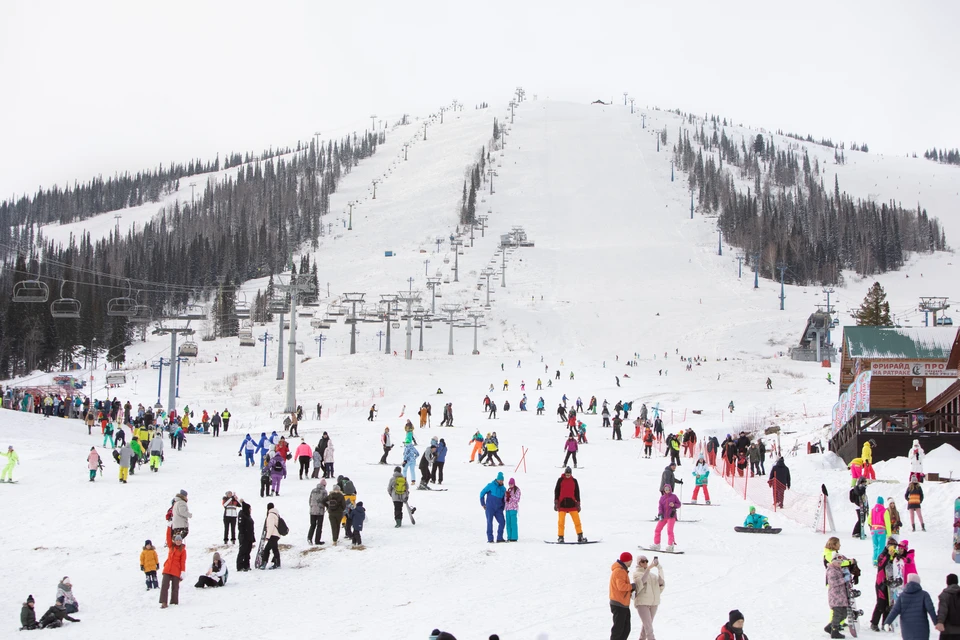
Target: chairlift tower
(388, 299)
(265, 338)
(483, 223)
(353, 299)
(933, 304)
(491, 173)
(432, 284)
(293, 289)
(756, 270)
(173, 332)
(451, 309)
(782, 267)
(503, 266)
(456, 244)
(486, 273)
(409, 299)
(476, 315)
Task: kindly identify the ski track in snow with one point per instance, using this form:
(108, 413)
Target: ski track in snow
(614, 247)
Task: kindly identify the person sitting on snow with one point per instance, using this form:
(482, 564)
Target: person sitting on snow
(755, 520)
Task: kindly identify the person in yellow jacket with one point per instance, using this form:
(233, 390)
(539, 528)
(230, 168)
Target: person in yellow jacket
(225, 419)
(492, 446)
(866, 454)
(12, 460)
(185, 422)
(149, 562)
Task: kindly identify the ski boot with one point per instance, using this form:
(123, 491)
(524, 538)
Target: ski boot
(923, 527)
(580, 538)
(913, 527)
(708, 502)
(559, 539)
(654, 547)
(835, 633)
(828, 628)
(669, 548)
(398, 524)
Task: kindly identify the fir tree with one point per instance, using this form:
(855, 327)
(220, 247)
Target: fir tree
(875, 310)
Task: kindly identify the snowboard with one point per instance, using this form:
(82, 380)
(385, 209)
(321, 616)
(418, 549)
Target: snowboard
(11, 481)
(409, 512)
(702, 504)
(754, 530)
(572, 542)
(679, 520)
(574, 468)
(676, 553)
(956, 530)
(258, 560)
(852, 612)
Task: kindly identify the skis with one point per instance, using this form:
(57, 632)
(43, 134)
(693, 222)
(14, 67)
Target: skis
(676, 553)
(755, 530)
(409, 512)
(956, 530)
(679, 520)
(575, 468)
(420, 488)
(572, 543)
(258, 561)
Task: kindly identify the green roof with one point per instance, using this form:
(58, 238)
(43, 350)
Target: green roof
(907, 343)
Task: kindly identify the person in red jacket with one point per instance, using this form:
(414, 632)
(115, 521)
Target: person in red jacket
(566, 499)
(173, 570)
(733, 629)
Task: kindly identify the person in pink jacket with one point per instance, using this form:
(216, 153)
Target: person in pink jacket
(878, 528)
(571, 448)
(304, 455)
(93, 463)
(512, 506)
(856, 471)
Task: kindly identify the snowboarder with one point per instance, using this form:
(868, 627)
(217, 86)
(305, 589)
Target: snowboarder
(492, 500)
(878, 528)
(700, 473)
(149, 563)
(173, 570)
(246, 537)
(858, 496)
(512, 505)
(571, 448)
(885, 579)
(667, 514)
(566, 499)
(914, 498)
(477, 441)
(492, 408)
(12, 460)
(866, 454)
(755, 521)
(620, 590)
(429, 455)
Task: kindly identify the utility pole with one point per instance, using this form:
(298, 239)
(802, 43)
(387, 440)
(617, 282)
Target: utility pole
(388, 299)
(671, 162)
(265, 338)
(432, 284)
(486, 273)
(409, 299)
(691, 204)
(293, 289)
(643, 122)
(476, 315)
(424, 131)
(782, 266)
(512, 106)
(353, 299)
(456, 259)
(426, 267)
(442, 109)
(320, 339)
(756, 270)
(491, 173)
(317, 148)
(117, 218)
(472, 225)
(503, 266)
(410, 280)
(451, 309)
(625, 98)
(173, 332)
(380, 335)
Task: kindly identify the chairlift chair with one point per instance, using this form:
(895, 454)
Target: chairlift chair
(123, 306)
(192, 312)
(30, 291)
(116, 378)
(247, 341)
(299, 348)
(64, 307)
(188, 350)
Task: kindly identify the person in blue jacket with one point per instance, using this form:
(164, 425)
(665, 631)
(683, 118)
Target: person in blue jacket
(410, 455)
(436, 473)
(540, 407)
(492, 500)
(755, 520)
(247, 447)
(913, 606)
(263, 447)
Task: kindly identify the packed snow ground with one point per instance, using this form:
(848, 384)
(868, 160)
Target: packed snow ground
(618, 268)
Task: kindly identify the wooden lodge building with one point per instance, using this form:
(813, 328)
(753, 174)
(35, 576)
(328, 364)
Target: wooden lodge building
(897, 384)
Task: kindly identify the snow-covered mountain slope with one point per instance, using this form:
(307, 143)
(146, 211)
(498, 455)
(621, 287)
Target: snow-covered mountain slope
(618, 268)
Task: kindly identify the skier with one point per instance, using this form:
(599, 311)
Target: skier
(540, 406)
(667, 513)
(620, 590)
(399, 493)
(506, 385)
(916, 462)
(486, 403)
(780, 481)
(12, 460)
(245, 537)
(562, 413)
(173, 569)
(426, 460)
(273, 538)
(571, 448)
(730, 406)
(566, 499)
(539, 384)
(866, 454)
(581, 431)
(492, 408)
(410, 455)
(149, 563)
(278, 471)
(512, 505)
(701, 472)
(492, 501)
(769, 383)
(231, 507)
(373, 410)
(605, 413)
(477, 441)
(617, 422)
(492, 446)
(837, 598)
(436, 473)
(647, 442)
(618, 380)
(755, 521)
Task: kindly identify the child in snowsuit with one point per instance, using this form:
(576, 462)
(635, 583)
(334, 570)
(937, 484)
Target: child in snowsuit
(700, 473)
(755, 520)
(358, 515)
(836, 597)
(148, 564)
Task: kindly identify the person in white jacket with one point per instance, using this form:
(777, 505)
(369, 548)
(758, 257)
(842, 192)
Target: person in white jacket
(181, 515)
(273, 538)
(216, 575)
(328, 460)
(646, 596)
(916, 462)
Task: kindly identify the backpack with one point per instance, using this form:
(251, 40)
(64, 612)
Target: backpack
(282, 527)
(853, 496)
(278, 465)
(400, 485)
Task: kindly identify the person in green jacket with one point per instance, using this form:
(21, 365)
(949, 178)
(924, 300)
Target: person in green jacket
(755, 520)
(12, 460)
(138, 452)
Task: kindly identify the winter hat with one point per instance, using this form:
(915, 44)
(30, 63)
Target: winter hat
(735, 615)
(434, 634)
(753, 509)
(512, 482)
(148, 544)
(229, 494)
(914, 577)
(30, 599)
(626, 557)
(500, 477)
(951, 579)
(445, 636)
(60, 599)
(269, 506)
(568, 470)
(66, 580)
(397, 470)
(178, 538)
(183, 492)
(323, 483)
(641, 558)
(494, 637)
(879, 499)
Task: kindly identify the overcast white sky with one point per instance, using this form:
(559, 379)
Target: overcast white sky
(97, 87)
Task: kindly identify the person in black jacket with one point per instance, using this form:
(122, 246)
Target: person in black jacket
(858, 496)
(780, 481)
(28, 617)
(55, 616)
(247, 537)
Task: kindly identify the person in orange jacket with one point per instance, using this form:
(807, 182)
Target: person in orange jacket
(477, 441)
(149, 562)
(647, 442)
(173, 570)
(620, 591)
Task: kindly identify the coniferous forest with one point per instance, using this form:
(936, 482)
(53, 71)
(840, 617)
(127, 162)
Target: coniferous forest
(789, 216)
(243, 226)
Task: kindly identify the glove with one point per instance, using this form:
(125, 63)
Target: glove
(679, 481)
(239, 454)
(141, 567)
(556, 505)
(578, 508)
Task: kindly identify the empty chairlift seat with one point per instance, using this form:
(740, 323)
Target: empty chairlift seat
(30, 291)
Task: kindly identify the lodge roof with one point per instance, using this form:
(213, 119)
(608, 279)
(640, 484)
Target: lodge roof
(899, 343)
